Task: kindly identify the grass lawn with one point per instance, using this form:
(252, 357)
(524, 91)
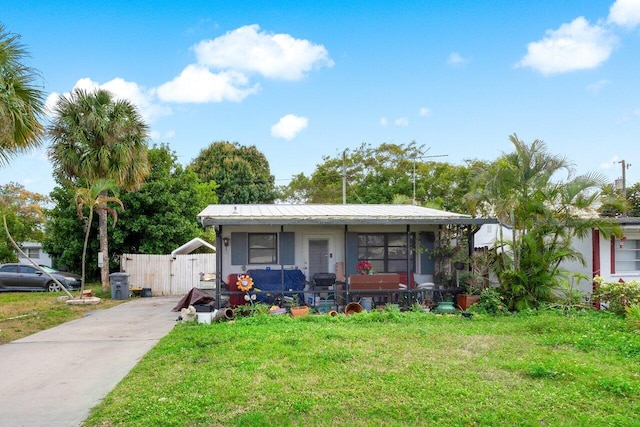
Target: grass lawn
(25, 313)
(386, 368)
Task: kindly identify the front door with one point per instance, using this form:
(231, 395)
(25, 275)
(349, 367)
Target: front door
(319, 256)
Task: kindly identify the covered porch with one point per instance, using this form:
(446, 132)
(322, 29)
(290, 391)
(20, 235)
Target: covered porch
(310, 253)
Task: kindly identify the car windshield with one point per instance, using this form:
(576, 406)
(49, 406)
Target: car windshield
(48, 269)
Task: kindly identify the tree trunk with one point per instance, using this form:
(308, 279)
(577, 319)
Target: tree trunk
(102, 222)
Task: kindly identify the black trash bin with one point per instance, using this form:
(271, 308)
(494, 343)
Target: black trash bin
(119, 285)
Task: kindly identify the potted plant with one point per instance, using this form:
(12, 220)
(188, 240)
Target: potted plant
(295, 309)
(472, 283)
(363, 267)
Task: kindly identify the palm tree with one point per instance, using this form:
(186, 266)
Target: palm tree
(21, 102)
(522, 189)
(94, 198)
(94, 137)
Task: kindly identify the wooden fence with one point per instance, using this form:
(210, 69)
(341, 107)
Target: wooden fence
(166, 275)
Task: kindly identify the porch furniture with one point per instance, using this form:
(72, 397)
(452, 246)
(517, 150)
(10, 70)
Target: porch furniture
(424, 287)
(269, 284)
(382, 286)
(382, 281)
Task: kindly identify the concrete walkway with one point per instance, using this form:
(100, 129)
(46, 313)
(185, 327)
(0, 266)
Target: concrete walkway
(55, 377)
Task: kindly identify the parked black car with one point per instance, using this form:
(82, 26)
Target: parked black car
(24, 277)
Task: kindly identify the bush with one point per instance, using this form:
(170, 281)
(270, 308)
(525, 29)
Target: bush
(633, 316)
(491, 302)
(617, 295)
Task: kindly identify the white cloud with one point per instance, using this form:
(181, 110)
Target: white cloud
(401, 121)
(613, 162)
(197, 84)
(456, 59)
(289, 126)
(277, 56)
(157, 135)
(596, 87)
(625, 13)
(50, 103)
(383, 121)
(574, 46)
(425, 112)
(143, 99)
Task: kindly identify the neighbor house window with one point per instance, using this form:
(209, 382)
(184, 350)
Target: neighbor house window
(33, 253)
(263, 248)
(627, 255)
(387, 252)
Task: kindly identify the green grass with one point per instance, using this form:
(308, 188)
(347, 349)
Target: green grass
(25, 313)
(386, 368)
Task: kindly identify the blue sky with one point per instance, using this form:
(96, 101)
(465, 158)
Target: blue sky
(303, 81)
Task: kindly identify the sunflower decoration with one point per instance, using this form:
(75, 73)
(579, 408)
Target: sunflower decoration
(244, 283)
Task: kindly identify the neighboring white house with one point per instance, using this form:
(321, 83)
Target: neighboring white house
(34, 251)
(283, 241)
(618, 258)
(612, 258)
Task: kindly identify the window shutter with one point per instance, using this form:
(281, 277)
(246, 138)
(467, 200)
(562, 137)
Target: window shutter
(427, 243)
(352, 253)
(287, 248)
(238, 248)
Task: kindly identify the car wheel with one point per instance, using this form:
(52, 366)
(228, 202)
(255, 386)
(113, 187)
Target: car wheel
(53, 287)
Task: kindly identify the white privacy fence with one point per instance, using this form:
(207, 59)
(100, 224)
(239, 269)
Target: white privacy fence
(167, 275)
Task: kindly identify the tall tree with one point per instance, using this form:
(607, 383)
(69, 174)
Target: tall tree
(162, 214)
(525, 191)
(25, 216)
(94, 199)
(21, 101)
(95, 136)
(379, 174)
(616, 202)
(242, 174)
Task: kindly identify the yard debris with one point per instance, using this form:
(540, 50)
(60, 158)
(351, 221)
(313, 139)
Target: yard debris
(188, 314)
(84, 301)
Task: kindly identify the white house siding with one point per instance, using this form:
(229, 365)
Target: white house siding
(335, 233)
(43, 258)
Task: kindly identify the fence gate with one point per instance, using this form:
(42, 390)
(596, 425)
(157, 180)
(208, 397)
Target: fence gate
(167, 275)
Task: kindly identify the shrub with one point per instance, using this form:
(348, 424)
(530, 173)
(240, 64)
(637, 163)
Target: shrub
(633, 316)
(491, 302)
(617, 295)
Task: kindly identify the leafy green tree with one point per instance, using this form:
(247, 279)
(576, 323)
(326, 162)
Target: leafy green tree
(380, 174)
(94, 199)
(242, 174)
(615, 203)
(523, 191)
(21, 101)
(65, 234)
(25, 214)
(162, 214)
(96, 137)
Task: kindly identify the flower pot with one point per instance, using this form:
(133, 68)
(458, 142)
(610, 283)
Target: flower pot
(445, 307)
(299, 311)
(465, 301)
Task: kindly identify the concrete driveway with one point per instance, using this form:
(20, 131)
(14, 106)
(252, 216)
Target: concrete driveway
(56, 376)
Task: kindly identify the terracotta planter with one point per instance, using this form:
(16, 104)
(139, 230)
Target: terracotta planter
(465, 301)
(299, 311)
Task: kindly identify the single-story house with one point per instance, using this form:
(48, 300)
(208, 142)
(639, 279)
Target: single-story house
(34, 251)
(618, 258)
(612, 258)
(307, 250)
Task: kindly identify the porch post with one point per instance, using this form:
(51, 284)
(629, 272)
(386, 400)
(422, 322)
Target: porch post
(409, 266)
(219, 244)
